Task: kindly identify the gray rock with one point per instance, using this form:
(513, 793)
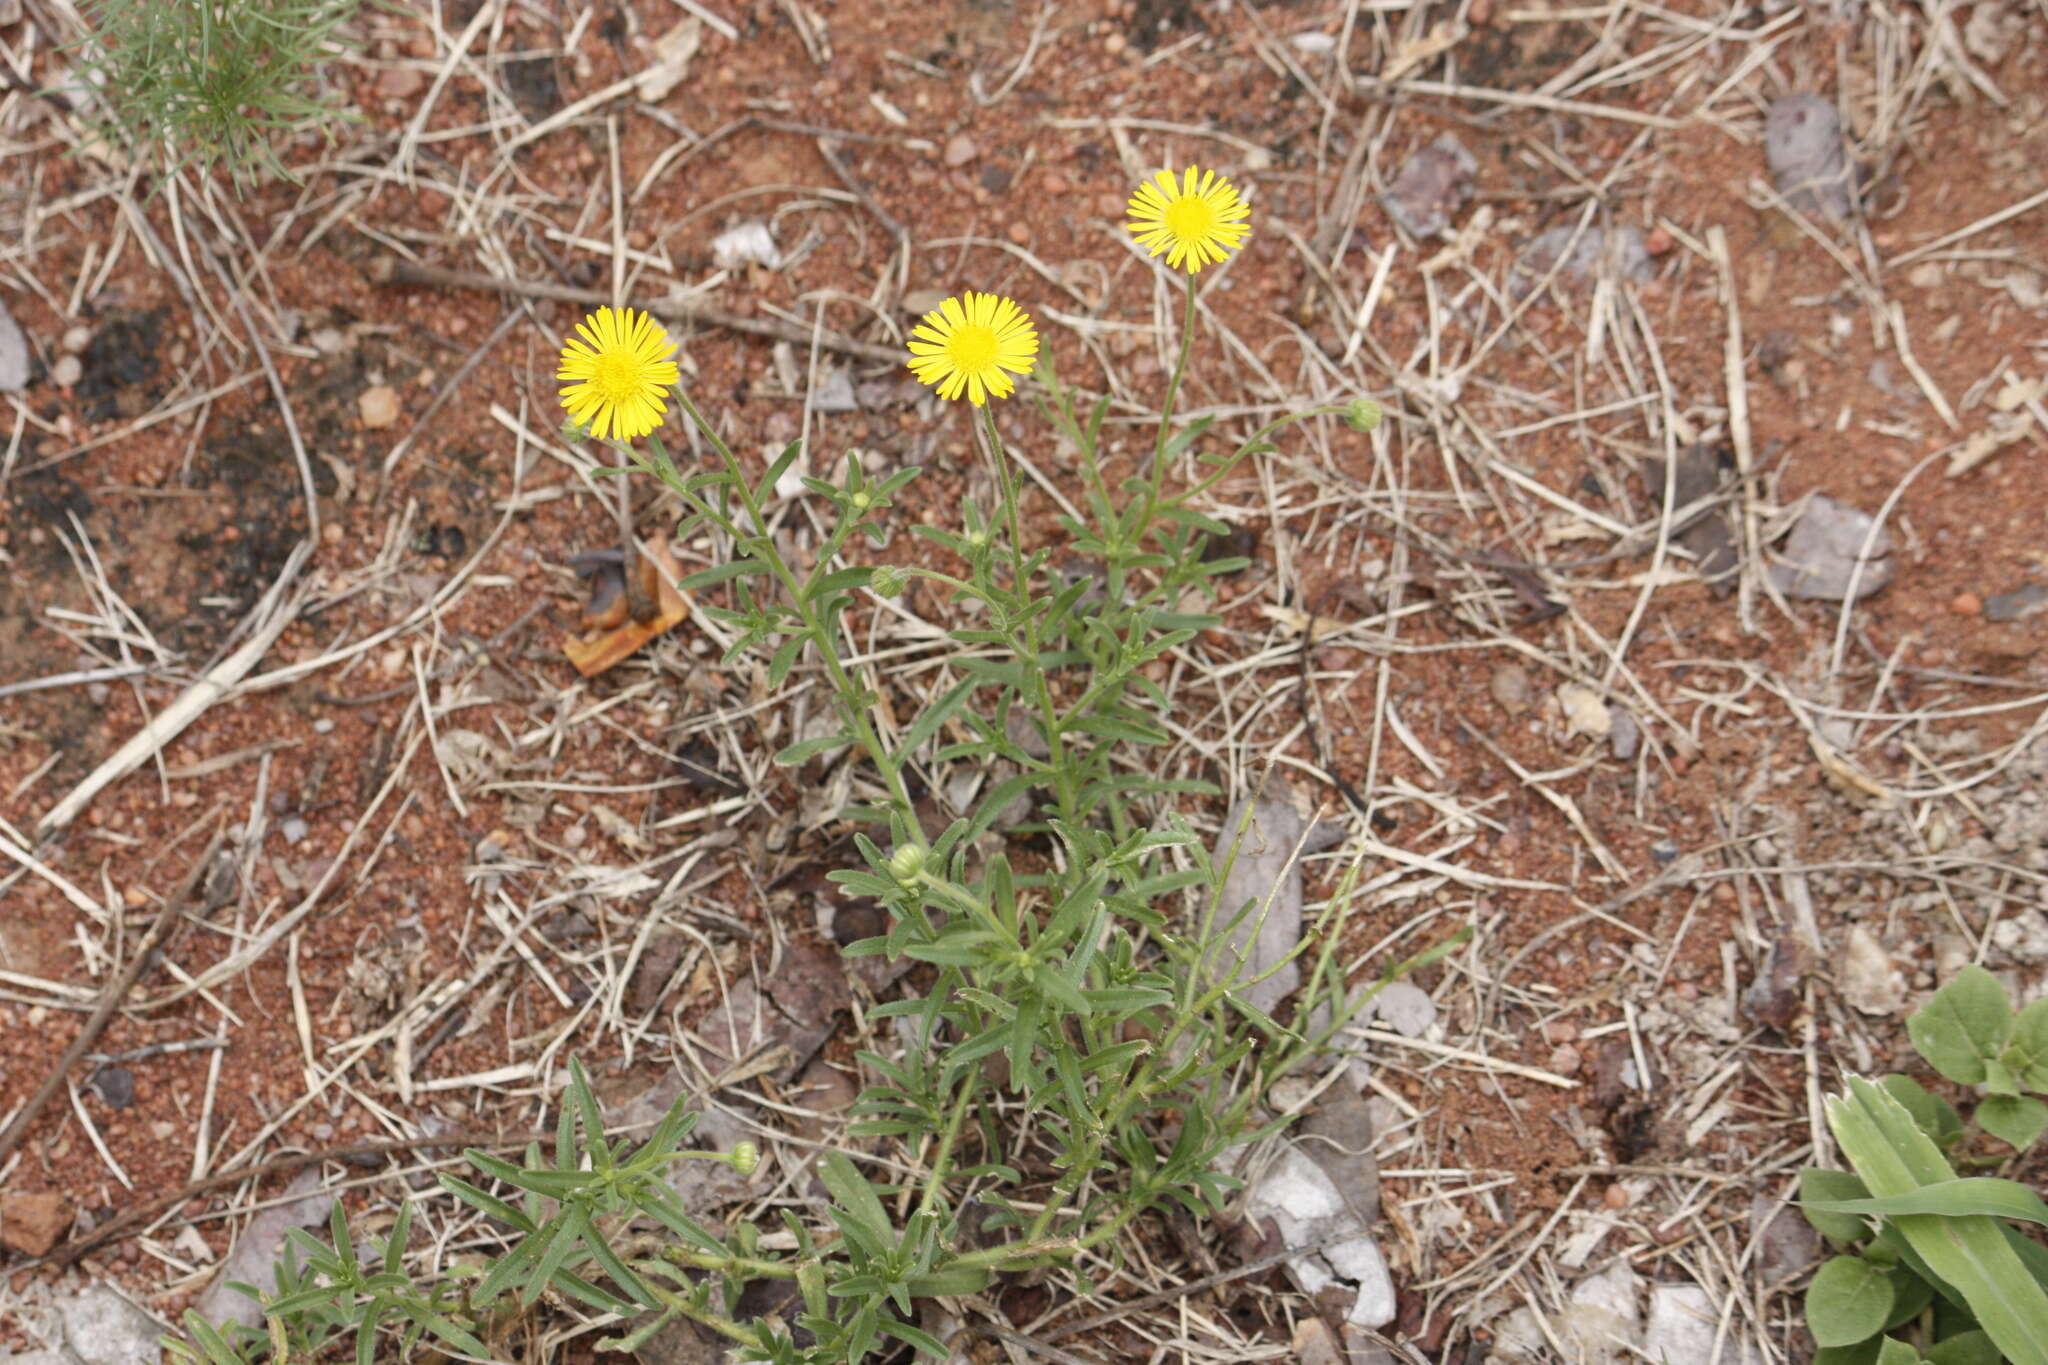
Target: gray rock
(1308, 1208)
(1577, 255)
(1433, 184)
(1406, 1008)
(1809, 161)
(834, 393)
(14, 364)
(253, 1259)
(1265, 874)
(103, 1328)
(1685, 1325)
(1820, 556)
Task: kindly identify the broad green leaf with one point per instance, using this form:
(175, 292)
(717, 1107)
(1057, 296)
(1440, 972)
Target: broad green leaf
(2017, 1119)
(1950, 1198)
(1910, 1296)
(1849, 1301)
(1862, 1353)
(1965, 1022)
(2028, 1055)
(1893, 1352)
(1964, 1348)
(1936, 1116)
(1969, 1254)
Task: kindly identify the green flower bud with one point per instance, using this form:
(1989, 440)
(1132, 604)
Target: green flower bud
(746, 1158)
(905, 863)
(1363, 415)
(574, 432)
(888, 581)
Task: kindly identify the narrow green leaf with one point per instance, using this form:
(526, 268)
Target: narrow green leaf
(804, 750)
(1949, 1198)
(854, 1194)
(721, 573)
(1936, 1116)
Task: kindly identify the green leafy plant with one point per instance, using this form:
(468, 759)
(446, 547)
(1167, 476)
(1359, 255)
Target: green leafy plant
(1080, 1055)
(1930, 1265)
(209, 81)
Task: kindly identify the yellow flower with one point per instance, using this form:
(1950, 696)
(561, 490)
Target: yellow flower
(622, 372)
(968, 343)
(1200, 221)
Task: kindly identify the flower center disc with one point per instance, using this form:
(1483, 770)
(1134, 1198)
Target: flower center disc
(1190, 219)
(618, 376)
(973, 347)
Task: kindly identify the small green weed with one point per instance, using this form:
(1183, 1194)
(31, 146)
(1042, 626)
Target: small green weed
(1080, 1056)
(1931, 1268)
(209, 81)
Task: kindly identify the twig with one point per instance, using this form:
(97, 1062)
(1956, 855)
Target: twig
(393, 271)
(269, 619)
(88, 675)
(109, 1003)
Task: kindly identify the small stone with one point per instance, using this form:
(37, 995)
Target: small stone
(960, 150)
(401, 82)
(1659, 242)
(68, 370)
(1511, 688)
(1020, 232)
(1565, 1060)
(378, 406)
(1617, 1196)
(76, 338)
(31, 1223)
(14, 362)
(1866, 977)
(1406, 1008)
(116, 1086)
(1966, 604)
(1052, 182)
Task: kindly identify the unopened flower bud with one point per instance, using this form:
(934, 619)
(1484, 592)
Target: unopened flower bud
(905, 863)
(746, 1158)
(1363, 415)
(888, 581)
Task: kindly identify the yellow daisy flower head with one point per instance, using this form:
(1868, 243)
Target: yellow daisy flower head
(968, 343)
(621, 368)
(1196, 222)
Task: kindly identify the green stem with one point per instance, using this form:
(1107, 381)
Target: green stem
(936, 1180)
(860, 718)
(1067, 794)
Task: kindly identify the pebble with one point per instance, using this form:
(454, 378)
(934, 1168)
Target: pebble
(67, 371)
(1020, 232)
(402, 82)
(1966, 604)
(960, 150)
(1052, 182)
(1616, 1197)
(378, 406)
(1511, 688)
(76, 338)
(1565, 1060)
